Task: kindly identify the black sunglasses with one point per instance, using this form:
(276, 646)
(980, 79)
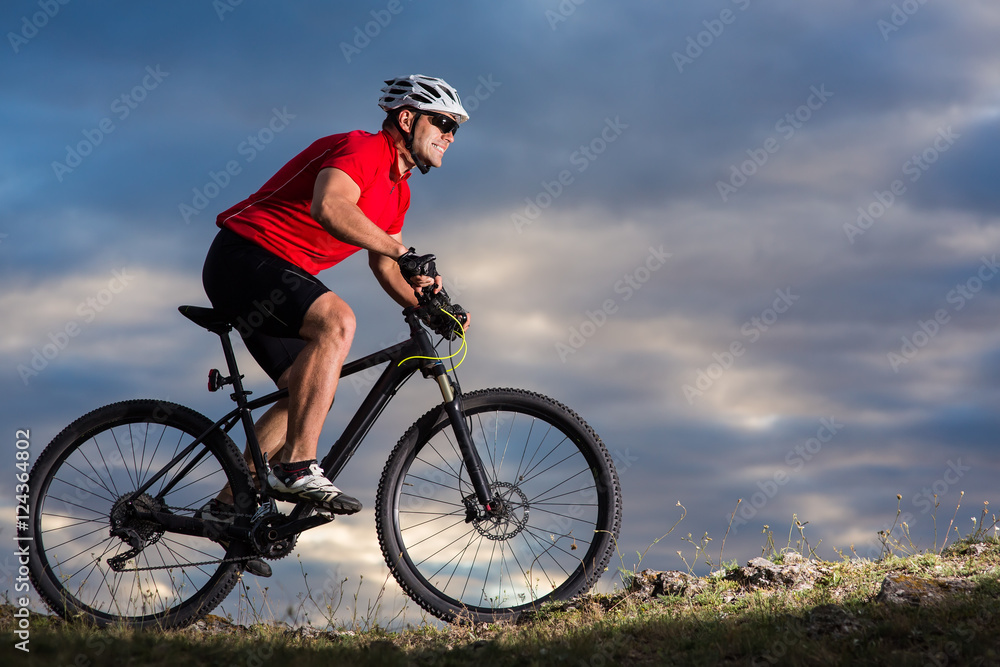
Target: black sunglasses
(443, 123)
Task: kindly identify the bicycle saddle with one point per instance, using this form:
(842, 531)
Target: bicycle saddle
(207, 318)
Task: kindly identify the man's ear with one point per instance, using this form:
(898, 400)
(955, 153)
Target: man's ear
(406, 118)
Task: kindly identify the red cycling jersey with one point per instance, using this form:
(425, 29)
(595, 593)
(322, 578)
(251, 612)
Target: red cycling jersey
(277, 217)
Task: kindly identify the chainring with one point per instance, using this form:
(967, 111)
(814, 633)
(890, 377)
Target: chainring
(267, 545)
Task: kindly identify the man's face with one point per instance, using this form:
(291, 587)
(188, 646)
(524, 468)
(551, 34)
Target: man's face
(429, 143)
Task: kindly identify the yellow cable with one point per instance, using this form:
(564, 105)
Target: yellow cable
(463, 347)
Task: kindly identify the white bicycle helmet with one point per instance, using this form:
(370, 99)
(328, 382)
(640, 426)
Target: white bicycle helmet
(424, 93)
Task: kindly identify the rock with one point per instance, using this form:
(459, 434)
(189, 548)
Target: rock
(650, 584)
(978, 549)
(212, 625)
(795, 573)
(898, 588)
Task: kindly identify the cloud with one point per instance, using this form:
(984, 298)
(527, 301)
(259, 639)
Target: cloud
(588, 149)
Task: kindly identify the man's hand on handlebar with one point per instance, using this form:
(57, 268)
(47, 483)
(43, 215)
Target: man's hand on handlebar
(421, 273)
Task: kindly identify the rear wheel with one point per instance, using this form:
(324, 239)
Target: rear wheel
(549, 538)
(93, 554)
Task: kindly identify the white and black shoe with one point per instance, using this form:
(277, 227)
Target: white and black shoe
(301, 482)
(216, 516)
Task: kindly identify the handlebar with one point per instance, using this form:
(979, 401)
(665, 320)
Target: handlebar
(438, 312)
(435, 309)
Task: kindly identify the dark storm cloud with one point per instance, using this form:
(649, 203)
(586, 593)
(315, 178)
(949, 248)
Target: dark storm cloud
(604, 94)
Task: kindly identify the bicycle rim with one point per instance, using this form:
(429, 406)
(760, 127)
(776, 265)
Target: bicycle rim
(86, 488)
(561, 509)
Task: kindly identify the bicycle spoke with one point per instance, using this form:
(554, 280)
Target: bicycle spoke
(164, 483)
(456, 473)
(178, 561)
(460, 555)
(128, 472)
(491, 452)
(434, 500)
(489, 567)
(437, 517)
(546, 551)
(468, 578)
(177, 490)
(100, 480)
(204, 554)
(416, 544)
(62, 481)
(78, 520)
(554, 544)
(100, 453)
(537, 447)
(73, 539)
(540, 462)
(134, 464)
(85, 475)
(431, 481)
(152, 457)
(86, 509)
(513, 554)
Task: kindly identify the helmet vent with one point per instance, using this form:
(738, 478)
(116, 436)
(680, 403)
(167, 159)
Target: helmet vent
(424, 93)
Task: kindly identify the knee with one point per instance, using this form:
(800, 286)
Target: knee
(343, 327)
(331, 321)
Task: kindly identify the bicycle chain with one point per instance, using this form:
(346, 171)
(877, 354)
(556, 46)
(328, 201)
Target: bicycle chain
(233, 559)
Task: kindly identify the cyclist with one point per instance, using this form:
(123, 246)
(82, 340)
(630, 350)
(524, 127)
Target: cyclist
(344, 193)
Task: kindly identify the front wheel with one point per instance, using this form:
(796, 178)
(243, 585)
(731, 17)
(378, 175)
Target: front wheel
(554, 529)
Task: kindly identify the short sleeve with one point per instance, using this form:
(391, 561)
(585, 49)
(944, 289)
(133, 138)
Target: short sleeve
(358, 158)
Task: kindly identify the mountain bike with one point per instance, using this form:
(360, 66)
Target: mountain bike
(492, 503)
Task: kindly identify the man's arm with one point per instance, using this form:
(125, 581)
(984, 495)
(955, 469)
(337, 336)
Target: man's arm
(387, 273)
(335, 207)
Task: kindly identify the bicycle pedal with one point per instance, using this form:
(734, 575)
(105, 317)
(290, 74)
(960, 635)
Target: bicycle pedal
(277, 495)
(322, 510)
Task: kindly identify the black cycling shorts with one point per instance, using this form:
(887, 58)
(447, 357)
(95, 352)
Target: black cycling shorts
(264, 296)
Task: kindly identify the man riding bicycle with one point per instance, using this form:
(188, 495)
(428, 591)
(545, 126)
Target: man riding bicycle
(344, 193)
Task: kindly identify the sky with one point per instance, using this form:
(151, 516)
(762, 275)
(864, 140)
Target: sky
(754, 244)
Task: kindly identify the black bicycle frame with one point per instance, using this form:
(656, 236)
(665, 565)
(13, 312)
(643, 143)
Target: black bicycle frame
(406, 358)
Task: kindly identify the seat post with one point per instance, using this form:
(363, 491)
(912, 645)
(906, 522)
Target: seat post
(240, 396)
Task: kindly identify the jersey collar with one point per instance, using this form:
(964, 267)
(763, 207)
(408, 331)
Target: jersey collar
(394, 174)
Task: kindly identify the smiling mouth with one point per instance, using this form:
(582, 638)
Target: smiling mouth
(438, 148)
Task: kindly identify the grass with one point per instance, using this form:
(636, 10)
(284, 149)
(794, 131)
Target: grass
(837, 621)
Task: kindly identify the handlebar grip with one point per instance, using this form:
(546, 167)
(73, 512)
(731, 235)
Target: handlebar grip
(431, 305)
(411, 265)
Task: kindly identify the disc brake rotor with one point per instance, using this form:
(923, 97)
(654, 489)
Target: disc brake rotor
(509, 517)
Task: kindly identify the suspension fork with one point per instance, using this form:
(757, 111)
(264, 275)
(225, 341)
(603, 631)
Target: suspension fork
(468, 449)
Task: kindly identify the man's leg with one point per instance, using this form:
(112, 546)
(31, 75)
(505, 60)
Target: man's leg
(270, 429)
(328, 329)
